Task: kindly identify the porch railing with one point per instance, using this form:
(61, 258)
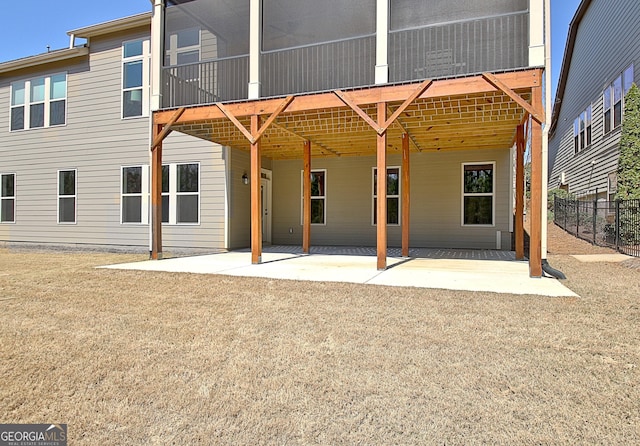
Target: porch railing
(613, 224)
(325, 66)
(474, 46)
(205, 82)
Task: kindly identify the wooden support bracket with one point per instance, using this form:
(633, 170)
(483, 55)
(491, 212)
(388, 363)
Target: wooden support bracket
(167, 128)
(538, 116)
(254, 138)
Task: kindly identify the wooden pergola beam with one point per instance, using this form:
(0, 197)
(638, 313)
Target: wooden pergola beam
(256, 195)
(304, 138)
(157, 139)
(381, 192)
(535, 236)
(254, 136)
(356, 108)
(400, 124)
(391, 93)
(492, 79)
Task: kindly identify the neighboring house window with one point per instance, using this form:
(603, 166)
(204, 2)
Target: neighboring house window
(8, 198)
(318, 197)
(478, 194)
(181, 193)
(135, 78)
(582, 131)
(39, 102)
(183, 47)
(134, 194)
(67, 183)
(613, 100)
(393, 196)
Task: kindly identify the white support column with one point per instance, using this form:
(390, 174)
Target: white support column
(382, 42)
(157, 27)
(255, 37)
(536, 33)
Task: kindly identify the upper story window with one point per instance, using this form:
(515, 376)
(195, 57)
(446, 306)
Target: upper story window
(183, 47)
(582, 131)
(39, 102)
(135, 78)
(613, 99)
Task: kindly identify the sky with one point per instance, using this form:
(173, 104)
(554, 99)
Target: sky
(29, 26)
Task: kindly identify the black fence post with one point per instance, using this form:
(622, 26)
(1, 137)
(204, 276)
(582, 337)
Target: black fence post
(595, 216)
(577, 218)
(617, 224)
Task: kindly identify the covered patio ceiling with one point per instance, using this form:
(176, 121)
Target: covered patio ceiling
(480, 116)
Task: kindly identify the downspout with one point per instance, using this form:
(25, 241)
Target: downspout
(545, 141)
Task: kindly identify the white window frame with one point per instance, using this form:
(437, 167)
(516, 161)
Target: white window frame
(145, 58)
(374, 195)
(27, 102)
(74, 196)
(582, 133)
(8, 198)
(609, 91)
(314, 197)
(483, 194)
(144, 195)
(174, 51)
(173, 195)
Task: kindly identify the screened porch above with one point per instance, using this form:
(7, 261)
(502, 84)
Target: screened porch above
(223, 50)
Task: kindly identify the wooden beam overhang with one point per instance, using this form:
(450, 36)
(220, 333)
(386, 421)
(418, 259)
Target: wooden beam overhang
(393, 93)
(157, 139)
(536, 114)
(254, 136)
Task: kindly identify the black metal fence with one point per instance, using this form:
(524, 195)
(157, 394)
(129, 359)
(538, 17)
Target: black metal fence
(614, 224)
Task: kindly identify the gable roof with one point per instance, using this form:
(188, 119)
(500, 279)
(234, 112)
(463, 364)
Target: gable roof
(566, 62)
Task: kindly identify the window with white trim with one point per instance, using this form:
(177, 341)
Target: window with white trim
(135, 78)
(613, 99)
(393, 195)
(318, 197)
(134, 207)
(67, 187)
(478, 194)
(181, 193)
(39, 102)
(7, 198)
(582, 131)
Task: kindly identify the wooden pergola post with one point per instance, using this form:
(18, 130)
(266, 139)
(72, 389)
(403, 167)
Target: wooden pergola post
(405, 195)
(519, 215)
(256, 195)
(381, 211)
(156, 195)
(306, 193)
(535, 237)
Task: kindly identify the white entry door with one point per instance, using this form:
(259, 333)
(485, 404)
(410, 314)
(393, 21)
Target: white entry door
(265, 188)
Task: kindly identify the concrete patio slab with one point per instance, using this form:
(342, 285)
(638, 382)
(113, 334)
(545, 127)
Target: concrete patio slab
(498, 276)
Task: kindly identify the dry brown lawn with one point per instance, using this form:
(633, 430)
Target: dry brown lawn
(129, 357)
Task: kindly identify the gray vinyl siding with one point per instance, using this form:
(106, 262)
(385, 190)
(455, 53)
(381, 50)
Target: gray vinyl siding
(607, 42)
(436, 201)
(97, 142)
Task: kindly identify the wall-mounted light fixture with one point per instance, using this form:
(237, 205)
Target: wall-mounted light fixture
(245, 178)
